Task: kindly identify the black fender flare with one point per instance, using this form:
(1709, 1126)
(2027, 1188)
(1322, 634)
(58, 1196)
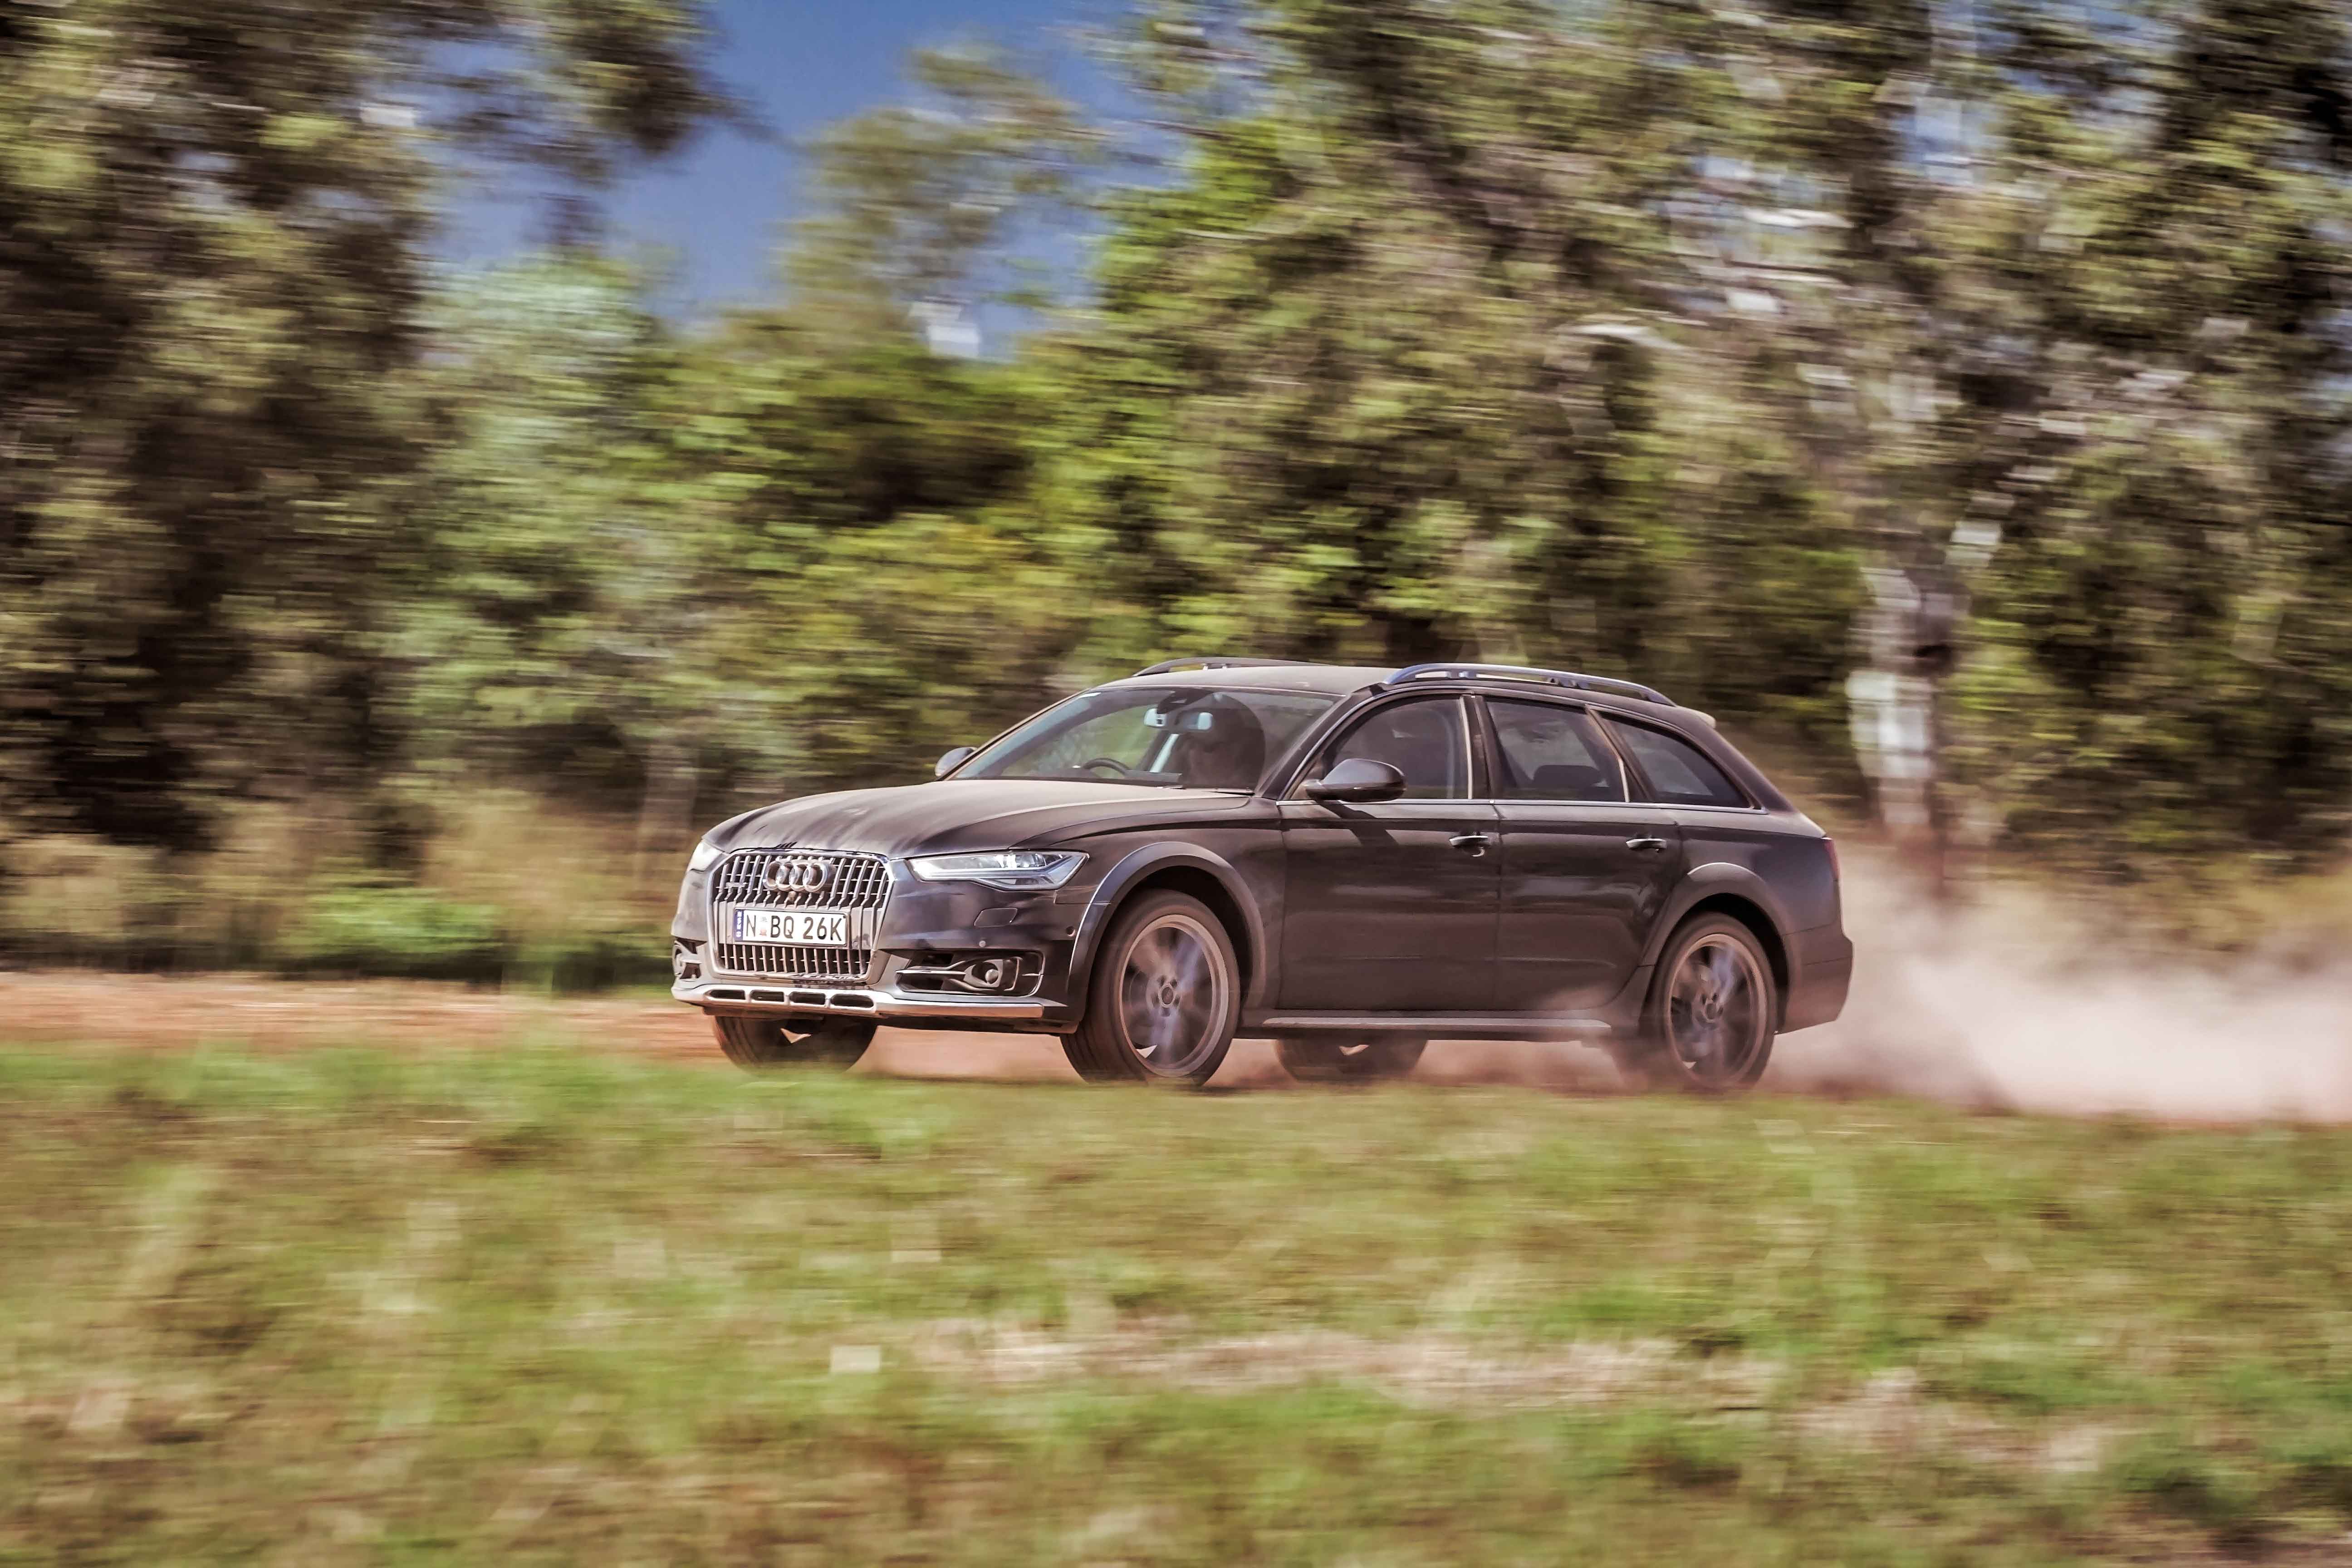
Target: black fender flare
(1701, 883)
(1139, 863)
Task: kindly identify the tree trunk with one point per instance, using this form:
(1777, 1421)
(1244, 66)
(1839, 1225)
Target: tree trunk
(1895, 702)
(666, 811)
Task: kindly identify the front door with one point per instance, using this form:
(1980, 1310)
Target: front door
(1585, 874)
(1390, 906)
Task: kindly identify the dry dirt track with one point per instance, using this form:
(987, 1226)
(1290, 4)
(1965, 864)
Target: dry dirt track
(162, 1013)
(1994, 1013)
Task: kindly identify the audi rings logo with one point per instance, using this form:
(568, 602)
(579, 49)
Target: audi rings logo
(797, 876)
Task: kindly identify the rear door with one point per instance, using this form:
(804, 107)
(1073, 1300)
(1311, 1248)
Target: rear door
(1390, 905)
(1586, 872)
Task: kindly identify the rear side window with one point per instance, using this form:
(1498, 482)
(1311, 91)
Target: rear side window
(1678, 772)
(1548, 752)
(1422, 739)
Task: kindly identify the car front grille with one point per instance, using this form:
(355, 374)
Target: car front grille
(776, 879)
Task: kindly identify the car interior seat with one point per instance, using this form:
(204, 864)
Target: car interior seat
(1230, 753)
(1415, 742)
(1573, 781)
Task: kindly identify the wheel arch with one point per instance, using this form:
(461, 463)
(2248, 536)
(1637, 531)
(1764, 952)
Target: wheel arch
(1739, 893)
(1760, 925)
(1179, 868)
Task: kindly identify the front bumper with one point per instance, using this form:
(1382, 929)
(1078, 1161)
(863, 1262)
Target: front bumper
(921, 927)
(775, 999)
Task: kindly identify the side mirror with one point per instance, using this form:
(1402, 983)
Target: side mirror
(1358, 779)
(953, 760)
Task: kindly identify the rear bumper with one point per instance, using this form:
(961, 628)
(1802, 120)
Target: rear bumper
(1822, 970)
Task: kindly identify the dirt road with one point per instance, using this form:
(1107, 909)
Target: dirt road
(1979, 1014)
(141, 1012)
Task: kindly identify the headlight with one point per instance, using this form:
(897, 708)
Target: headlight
(1021, 871)
(706, 856)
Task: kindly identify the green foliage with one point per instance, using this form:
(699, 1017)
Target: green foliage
(370, 927)
(1644, 336)
(1637, 337)
(212, 227)
(490, 886)
(916, 202)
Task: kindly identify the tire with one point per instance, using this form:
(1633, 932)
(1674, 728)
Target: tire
(1166, 996)
(1336, 1058)
(757, 1044)
(1713, 1011)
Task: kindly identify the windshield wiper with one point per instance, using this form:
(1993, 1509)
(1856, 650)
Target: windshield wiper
(1141, 781)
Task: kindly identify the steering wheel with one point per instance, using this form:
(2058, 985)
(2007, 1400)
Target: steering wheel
(1113, 763)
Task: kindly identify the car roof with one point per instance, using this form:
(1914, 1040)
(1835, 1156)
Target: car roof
(1336, 679)
(1341, 679)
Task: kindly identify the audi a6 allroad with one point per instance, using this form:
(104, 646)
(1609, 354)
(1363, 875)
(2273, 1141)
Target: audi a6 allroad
(1350, 861)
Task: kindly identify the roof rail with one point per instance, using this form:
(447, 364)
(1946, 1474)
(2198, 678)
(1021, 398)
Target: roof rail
(1196, 662)
(1567, 678)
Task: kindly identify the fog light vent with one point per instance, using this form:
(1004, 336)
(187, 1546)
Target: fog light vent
(972, 973)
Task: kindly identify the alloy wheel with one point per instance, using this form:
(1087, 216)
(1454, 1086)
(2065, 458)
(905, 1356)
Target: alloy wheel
(1718, 1012)
(1172, 995)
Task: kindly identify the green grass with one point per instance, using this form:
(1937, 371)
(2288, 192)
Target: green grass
(365, 1308)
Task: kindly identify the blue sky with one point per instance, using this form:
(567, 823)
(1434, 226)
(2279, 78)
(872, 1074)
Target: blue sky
(715, 213)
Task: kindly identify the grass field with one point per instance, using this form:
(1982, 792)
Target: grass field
(400, 1306)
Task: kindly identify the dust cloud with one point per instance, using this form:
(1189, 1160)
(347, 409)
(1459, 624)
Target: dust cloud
(2015, 1001)
(2018, 1003)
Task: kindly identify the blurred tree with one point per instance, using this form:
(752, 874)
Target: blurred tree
(870, 511)
(2163, 665)
(1677, 338)
(555, 613)
(1403, 368)
(792, 549)
(1991, 351)
(759, 558)
(918, 205)
(213, 216)
(2051, 298)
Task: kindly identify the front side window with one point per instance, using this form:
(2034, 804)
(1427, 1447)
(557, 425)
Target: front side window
(1678, 772)
(1543, 751)
(1423, 740)
(1171, 738)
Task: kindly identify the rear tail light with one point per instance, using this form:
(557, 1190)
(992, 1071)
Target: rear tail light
(1837, 872)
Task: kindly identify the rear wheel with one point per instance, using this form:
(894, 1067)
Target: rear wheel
(1713, 1011)
(1165, 998)
(1336, 1058)
(754, 1044)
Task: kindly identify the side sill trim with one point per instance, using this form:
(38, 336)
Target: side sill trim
(1442, 1025)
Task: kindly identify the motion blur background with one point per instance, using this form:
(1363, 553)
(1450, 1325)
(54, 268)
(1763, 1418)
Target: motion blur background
(420, 513)
(453, 451)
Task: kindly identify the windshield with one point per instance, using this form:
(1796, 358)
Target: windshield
(1173, 738)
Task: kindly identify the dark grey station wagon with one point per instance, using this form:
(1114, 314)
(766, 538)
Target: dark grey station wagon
(1350, 861)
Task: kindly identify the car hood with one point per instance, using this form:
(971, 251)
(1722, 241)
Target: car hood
(968, 814)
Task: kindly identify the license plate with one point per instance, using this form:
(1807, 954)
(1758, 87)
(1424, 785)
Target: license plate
(790, 927)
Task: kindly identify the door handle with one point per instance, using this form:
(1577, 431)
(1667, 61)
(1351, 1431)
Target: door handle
(1647, 846)
(1472, 844)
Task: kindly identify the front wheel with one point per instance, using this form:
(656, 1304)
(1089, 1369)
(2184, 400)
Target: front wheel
(1713, 1011)
(1336, 1058)
(1165, 998)
(755, 1044)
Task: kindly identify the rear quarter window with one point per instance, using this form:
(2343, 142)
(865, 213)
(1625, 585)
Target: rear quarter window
(1679, 774)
